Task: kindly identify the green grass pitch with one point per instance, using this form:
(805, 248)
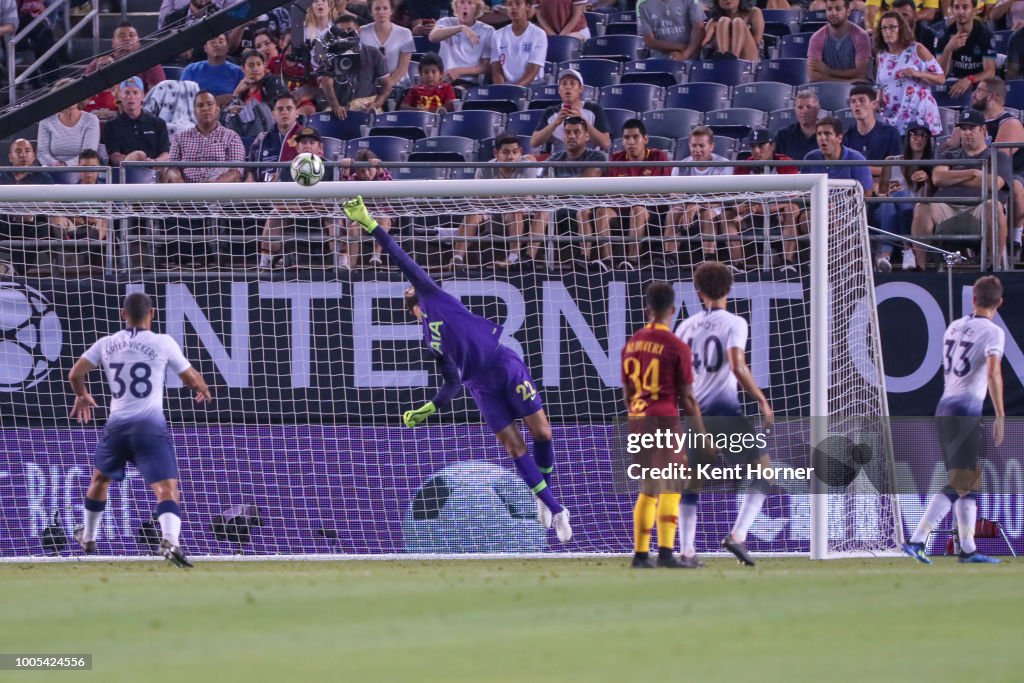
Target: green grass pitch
(518, 620)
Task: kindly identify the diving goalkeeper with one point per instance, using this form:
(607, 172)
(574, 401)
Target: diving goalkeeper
(469, 352)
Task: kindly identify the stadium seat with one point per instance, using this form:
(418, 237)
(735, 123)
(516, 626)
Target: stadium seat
(846, 116)
(1015, 94)
(523, 122)
(789, 70)
(764, 96)
(504, 97)
(795, 46)
(387, 147)
(617, 117)
(333, 147)
(622, 16)
(1000, 41)
(344, 129)
(485, 148)
(944, 99)
(620, 28)
(404, 124)
(734, 122)
(636, 96)
(812, 26)
(948, 117)
(596, 72)
(139, 175)
(672, 123)
(777, 120)
(777, 29)
(422, 44)
(832, 95)
(549, 91)
(697, 96)
(661, 72)
(562, 48)
(621, 48)
(419, 173)
(725, 71)
(596, 22)
(444, 148)
(462, 173)
(173, 73)
(790, 17)
(472, 124)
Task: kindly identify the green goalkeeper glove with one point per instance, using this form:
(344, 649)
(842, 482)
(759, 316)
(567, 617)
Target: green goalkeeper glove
(413, 418)
(356, 211)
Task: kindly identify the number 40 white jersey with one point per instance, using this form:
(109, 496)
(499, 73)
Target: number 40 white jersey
(710, 334)
(136, 362)
(966, 346)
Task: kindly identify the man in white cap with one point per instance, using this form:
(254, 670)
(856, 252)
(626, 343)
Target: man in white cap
(550, 129)
(135, 134)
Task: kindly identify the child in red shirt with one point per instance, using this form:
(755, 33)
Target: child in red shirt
(431, 94)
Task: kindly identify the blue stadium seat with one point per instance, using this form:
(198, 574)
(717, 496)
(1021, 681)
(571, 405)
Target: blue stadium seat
(621, 48)
(777, 120)
(622, 16)
(472, 124)
(139, 175)
(419, 173)
(596, 72)
(562, 48)
(333, 148)
(1001, 40)
(725, 71)
(1015, 94)
(444, 148)
(523, 122)
(832, 95)
(617, 117)
(404, 124)
(672, 123)
(344, 129)
(765, 96)
(697, 96)
(387, 147)
(795, 46)
(635, 96)
(485, 148)
(661, 72)
(423, 44)
(948, 117)
(620, 28)
(944, 99)
(787, 70)
(596, 22)
(790, 17)
(777, 29)
(735, 122)
(462, 173)
(846, 116)
(503, 97)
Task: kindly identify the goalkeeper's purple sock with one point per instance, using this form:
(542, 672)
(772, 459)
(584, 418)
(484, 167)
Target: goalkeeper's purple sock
(544, 456)
(530, 473)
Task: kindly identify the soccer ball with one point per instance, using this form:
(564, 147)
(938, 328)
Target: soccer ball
(473, 507)
(307, 169)
(30, 337)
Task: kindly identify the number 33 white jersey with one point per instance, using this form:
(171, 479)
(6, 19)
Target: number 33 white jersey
(966, 346)
(710, 334)
(136, 362)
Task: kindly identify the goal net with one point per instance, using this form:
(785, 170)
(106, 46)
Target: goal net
(312, 360)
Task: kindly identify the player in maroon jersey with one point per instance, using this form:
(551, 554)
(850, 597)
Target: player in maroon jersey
(657, 378)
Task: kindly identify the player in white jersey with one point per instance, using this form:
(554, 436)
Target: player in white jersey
(135, 361)
(972, 354)
(718, 340)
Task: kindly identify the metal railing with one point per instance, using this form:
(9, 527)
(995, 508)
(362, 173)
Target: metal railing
(92, 17)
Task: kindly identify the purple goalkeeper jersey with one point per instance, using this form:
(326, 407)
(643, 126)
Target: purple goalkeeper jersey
(461, 341)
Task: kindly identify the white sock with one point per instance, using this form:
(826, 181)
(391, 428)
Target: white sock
(688, 530)
(92, 524)
(749, 509)
(966, 515)
(937, 510)
(170, 526)
(266, 260)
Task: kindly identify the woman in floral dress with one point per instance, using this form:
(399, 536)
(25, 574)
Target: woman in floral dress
(906, 73)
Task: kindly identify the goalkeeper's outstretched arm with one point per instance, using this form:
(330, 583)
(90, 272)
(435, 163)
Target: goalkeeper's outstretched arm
(356, 211)
(449, 390)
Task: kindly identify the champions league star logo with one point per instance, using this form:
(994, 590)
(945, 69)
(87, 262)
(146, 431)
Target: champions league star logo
(30, 337)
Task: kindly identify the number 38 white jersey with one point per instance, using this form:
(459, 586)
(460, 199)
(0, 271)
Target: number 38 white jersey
(966, 346)
(136, 362)
(710, 334)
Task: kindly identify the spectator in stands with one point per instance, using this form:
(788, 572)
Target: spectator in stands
(194, 11)
(22, 154)
(797, 139)
(363, 88)
(40, 39)
(63, 136)
(24, 227)
(104, 103)
(919, 28)
(242, 38)
(215, 74)
(431, 94)
(736, 28)
(840, 51)
(277, 144)
(635, 149)
(710, 219)
(671, 28)
(208, 141)
(353, 8)
(550, 128)
(519, 49)
(248, 113)
(167, 8)
(135, 134)
(82, 227)
(299, 76)
(906, 71)
(507, 150)
(922, 11)
(124, 41)
(267, 44)
(965, 49)
(349, 256)
(1005, 12)
(904, 181)
(874, 139)
(762, 148)
(1015, 55)
(590, 221)
(562, 18)
(395, 42)
(956, 181)
(466, 42)
(8, 18)
(320, 16)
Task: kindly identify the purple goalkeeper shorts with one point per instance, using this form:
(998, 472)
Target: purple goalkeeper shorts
(505, 391)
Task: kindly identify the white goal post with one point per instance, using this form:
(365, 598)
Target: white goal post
(832, 339)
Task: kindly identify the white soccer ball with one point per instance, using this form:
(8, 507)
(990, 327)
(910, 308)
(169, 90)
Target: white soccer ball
(308, 169)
